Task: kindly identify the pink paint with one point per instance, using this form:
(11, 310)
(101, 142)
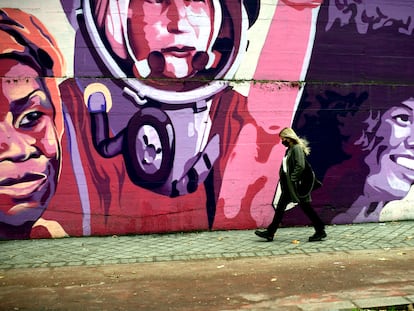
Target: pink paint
(272, 107)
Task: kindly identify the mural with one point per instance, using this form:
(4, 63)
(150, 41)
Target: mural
(360, 122)
(166, 117)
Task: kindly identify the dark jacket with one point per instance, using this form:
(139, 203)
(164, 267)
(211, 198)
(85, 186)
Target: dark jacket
(300, 179)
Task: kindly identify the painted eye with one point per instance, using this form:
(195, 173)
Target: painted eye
(30, 119)
(402, 119)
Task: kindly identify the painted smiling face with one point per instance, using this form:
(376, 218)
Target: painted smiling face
(29, 148)
(391, 162)
(178, 29)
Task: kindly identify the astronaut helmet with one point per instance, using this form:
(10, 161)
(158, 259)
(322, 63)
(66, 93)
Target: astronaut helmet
(171, 51)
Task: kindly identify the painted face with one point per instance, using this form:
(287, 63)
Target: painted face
(391, 162)
(176, 28)
(29, 148)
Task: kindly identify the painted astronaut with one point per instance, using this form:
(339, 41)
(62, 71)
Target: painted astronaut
(167, 108)
(214, 155)
(177, 47)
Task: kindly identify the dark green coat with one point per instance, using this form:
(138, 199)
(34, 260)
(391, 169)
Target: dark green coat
(300, 178)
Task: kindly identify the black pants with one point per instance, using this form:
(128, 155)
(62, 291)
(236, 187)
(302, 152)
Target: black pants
(284, 200)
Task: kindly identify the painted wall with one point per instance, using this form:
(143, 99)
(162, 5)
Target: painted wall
(126, 117)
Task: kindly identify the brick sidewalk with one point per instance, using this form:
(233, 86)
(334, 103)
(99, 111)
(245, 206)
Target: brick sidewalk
(200, 245)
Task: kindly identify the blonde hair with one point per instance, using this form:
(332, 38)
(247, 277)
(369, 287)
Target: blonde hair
(288, 132)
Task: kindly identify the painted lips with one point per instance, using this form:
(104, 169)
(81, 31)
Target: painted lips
(24, 186)
(405, 161)
(178, 51)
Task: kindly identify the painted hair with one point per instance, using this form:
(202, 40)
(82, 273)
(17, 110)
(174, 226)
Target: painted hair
(288, 132)
(370, 43)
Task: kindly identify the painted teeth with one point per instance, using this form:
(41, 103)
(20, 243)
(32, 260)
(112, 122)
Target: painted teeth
(406, 162)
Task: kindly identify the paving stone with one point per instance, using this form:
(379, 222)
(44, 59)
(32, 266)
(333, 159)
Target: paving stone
(208, 244)
(380, 302)
(331, 306)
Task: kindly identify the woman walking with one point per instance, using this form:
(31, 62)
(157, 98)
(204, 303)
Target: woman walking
(297, 180)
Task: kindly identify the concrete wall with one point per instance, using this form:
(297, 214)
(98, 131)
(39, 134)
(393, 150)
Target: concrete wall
(143, 117)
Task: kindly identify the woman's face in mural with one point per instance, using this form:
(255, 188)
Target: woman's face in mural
(29, 148)
(391, 162)
(175, 28)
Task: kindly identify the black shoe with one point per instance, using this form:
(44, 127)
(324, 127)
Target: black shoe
(318, 236)
(265, 235)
